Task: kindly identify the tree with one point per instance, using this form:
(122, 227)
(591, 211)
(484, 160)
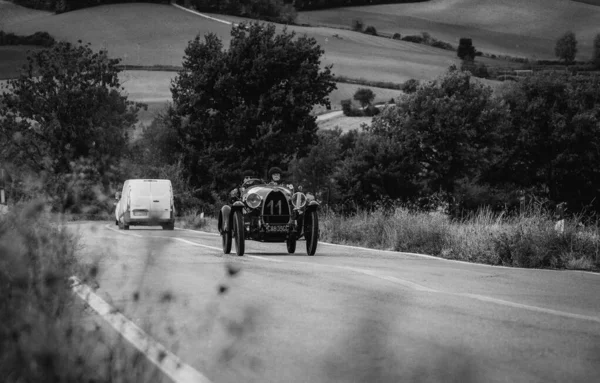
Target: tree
(248, 107)
(447, 129)
(364, 96)
(65, 105)
(596, 54)
(466, 50)
(566, 47)
(552, 145)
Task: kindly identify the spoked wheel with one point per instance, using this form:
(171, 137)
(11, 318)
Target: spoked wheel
(311, 232)
(291, 243)
(238, 232)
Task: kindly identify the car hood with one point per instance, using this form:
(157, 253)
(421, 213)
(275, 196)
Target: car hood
(264, 190)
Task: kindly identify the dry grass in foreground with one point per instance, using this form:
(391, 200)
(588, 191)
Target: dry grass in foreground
(527, 240)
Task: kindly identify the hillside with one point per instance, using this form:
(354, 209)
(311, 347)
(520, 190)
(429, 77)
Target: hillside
(520, 28)
(158, 34)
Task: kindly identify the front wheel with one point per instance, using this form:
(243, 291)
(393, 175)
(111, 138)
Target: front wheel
(311, 232)
(291, 243)
(238, 232)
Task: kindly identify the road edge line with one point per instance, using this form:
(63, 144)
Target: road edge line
(203, 15)
(169, 363)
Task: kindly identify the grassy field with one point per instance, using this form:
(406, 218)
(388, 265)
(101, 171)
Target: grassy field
(10, 13)
(158, 34)
(514, 27)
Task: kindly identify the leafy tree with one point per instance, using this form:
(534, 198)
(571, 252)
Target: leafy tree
(66, 105)
(566, 47)
(466, 50)
(364, 96)
(247, 107)
(596, 56)
(314, 172)
(447, 129)
(552, 145)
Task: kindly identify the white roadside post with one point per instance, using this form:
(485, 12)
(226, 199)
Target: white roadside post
(3, 203)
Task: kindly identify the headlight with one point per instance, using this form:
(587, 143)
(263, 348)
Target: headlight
(298, 200)
(253, 200)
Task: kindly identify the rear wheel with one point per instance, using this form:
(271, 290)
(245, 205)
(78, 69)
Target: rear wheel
(311, 232)
(125, 226)
(238, 232)
(291, 243)
(169, 226)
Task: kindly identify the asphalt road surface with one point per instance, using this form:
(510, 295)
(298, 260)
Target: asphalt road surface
(346, 314)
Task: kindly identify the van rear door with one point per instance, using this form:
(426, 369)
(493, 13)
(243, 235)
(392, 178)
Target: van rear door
(162, 196)
(140, 199)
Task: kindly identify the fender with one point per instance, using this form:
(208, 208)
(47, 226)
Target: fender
(312, 205)
(224, 216)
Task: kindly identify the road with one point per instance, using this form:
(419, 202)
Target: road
(346, 314)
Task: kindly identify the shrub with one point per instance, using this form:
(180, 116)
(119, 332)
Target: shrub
(410, 86)
(371, 110)
(357, 25)
(413, 39)
(349, 110)
(370, 30)
(43, 39)
(397, 36)
(442, 45)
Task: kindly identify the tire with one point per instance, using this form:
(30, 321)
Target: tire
(169, 226)
(311, 232)
(238, 232)
(125, 227)
(291, 244)
(120, 224)
(117, 222)
(226, 238)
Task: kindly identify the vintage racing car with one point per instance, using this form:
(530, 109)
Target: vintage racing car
(269, 213)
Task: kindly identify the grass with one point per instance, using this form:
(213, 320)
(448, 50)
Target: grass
(528, 240)
(344, 123)
(45, 335)
(11, 13)
(511, 27)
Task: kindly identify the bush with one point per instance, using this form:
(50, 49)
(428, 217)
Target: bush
(413, 39)
(442, 44)
(371, 110)
(43, 39)
(397, 36)
(370, 30)
(349, 110)
(410, 86)
(357, 25)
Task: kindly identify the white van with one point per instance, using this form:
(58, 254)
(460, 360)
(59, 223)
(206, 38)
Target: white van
(145, 203)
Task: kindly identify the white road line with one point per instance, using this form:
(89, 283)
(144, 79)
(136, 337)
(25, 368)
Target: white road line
(199, 232)
(193, 243)
(169, 363)
(531, 308)
(202, 15)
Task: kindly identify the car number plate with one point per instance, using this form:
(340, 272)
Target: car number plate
(278, 229)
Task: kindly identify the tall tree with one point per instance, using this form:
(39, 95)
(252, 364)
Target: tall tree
(465, 50)
(364, 96)
(566, 47)
(66, 105)
(247, 107)
(552, 145)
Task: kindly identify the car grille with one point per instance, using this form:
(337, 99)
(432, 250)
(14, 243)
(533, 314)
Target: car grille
(276, 208)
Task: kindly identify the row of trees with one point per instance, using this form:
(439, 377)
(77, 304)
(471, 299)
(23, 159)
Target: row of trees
(454, 139)
(248, 107)
(60, 6)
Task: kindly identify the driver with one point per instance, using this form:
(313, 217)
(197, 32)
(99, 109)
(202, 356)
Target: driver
(275, 178)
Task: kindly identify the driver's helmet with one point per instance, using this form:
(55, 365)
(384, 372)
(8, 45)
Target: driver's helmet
(275, 174)
(248, 175)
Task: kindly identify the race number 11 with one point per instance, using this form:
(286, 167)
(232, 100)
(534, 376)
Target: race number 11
(278, 205)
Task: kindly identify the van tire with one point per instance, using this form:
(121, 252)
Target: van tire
(169, 226)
